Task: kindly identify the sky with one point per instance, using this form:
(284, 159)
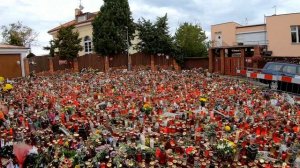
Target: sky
(43, 15)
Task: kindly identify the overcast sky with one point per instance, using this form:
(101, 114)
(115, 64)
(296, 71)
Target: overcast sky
(43, 15)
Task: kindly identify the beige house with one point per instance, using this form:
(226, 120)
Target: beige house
(279, 35)
(83, 24)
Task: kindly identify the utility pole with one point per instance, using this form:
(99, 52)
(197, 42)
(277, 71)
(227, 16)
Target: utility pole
(128, 56)
(275, 7)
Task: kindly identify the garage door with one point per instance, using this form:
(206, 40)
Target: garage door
(10, 66)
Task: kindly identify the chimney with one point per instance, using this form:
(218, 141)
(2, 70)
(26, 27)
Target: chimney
(77, 12)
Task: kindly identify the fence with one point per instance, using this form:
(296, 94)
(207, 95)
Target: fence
(91, 61)
(195, 62)
(118, 61)
(140, 59)
(52, 64)
(38, 64)
(59, 65)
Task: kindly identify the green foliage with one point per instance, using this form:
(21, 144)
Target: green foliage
(191, 40)
(67, 43)
(51, 48)
(30, 55)
(110, 28)
(69, 153)
(155, 37)
(18, 34)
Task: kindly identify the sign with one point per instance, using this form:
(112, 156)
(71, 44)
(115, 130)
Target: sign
(62, 62)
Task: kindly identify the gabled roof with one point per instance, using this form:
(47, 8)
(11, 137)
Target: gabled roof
(91, 17)
(6, 46)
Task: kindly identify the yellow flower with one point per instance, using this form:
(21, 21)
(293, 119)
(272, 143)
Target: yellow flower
(146, 106)
(2, 79)
(66, 144)
(231, 143)
(227, 128)
(77, 166)
(202, 99)
(98, 132)
(7, 87)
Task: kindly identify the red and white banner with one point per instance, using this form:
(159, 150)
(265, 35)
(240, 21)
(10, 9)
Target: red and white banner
(258, 75)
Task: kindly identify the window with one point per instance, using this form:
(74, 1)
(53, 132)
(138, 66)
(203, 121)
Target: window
(274, 67)
(295, 34)
(289, 69)
(87, 45)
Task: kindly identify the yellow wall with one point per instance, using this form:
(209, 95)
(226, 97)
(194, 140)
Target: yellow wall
(228, 33)
(250, 29)
(86, 29)
(279, 34)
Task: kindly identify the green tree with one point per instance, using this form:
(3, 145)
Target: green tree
(111, 26)
(18, 34)
(51, 48)
(67, 43)
(191, 40)
(155, 38)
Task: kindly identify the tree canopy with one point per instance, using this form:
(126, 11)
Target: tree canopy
(18, 34)
(111, 26)
(154, 37)
(191, 40)
(67, 43)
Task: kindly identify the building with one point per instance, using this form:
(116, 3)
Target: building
(279, 36)
(12, 61)
(83, 24)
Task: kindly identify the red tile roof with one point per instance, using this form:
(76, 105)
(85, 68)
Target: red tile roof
(91, 17)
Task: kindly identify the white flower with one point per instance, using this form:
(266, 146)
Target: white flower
(33, 150)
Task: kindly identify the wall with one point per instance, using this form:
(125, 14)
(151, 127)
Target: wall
(86, 29)
(228, 32)
(279, 35)
(250, 28)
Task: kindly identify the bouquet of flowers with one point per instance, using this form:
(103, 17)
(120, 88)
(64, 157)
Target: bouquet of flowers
(210, 130)
(225, 149)
(147, 108)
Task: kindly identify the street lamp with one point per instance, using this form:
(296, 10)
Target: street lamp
(128, 56)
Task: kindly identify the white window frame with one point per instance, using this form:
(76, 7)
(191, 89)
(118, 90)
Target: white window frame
(297, 30)
(87, 45)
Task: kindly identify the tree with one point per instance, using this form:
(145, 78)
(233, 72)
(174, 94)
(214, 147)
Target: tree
(18, 34)
(30, 55)
(155, 38)
(51, 48)
(191, 39)
(110, 28)
(67, 43)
